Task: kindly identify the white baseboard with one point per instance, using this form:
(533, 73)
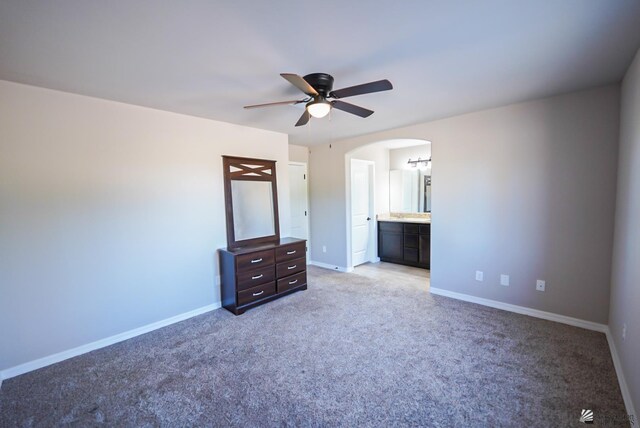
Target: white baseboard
(83, 349)
(61, 356)
(589, 325)
(622, 381)
(577, 322)
(331, 267)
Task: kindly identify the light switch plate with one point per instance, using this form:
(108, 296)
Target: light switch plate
(540, 285)
(479, 275)
(504, 280)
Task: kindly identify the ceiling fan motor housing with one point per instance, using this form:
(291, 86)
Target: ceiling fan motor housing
(321, 82)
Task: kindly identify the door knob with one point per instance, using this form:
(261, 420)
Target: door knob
(368, 218)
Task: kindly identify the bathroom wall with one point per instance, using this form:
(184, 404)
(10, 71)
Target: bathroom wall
(398, 157)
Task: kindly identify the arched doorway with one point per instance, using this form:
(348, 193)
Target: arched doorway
(369, 193)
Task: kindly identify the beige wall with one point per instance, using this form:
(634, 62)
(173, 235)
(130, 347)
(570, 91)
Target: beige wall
(110, 216)
(625, 280)
(298, 153)
(327, 193)
(526, 190)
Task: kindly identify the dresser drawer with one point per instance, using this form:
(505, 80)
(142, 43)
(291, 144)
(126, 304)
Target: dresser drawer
(255, 260)
(290, 252)
(255, 277)
(291, 267)
(292, 281)
(256, 293)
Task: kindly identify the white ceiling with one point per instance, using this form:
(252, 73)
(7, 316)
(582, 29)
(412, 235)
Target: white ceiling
(210, 58)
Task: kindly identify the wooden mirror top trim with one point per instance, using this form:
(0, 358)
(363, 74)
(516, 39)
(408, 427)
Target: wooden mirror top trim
(249, 169)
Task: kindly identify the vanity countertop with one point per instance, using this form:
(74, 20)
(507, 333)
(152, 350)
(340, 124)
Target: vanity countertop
(408, 219)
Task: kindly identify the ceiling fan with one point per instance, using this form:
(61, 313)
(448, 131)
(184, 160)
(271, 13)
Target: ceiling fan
(318, 88)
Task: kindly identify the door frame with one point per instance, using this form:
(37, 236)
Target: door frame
(306, 171)
(373, 241)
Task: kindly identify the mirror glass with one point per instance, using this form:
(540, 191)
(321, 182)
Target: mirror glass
(253, 211)
(409, 191)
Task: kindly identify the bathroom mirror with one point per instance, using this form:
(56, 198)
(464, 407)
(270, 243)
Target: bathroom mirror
(251, 200)
(409, 191)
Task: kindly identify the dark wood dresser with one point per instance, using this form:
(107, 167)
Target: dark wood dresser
(405, 243)
(256, 274)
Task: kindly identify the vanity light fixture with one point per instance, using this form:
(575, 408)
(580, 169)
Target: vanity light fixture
(420, 162)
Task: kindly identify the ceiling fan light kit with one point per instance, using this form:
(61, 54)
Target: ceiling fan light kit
(318, 88)
(319, 108)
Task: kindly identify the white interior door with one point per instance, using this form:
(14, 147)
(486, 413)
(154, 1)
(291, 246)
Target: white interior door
(299, 201)
(360, 211)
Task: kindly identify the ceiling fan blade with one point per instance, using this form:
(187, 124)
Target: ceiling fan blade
(300, 83)
(279, 103)
(352, 108)
(304, 119)
(365, 88)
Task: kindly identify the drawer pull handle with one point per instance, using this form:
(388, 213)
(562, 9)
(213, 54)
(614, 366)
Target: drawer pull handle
(293, 282)
(257, 294)
(257, 276)
(256, 260)
(292, 267)
(291, 252)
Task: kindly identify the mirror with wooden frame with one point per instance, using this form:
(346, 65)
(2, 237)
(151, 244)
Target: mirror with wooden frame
(251, 200)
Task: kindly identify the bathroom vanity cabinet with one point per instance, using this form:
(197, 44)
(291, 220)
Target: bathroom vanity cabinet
(405, 243)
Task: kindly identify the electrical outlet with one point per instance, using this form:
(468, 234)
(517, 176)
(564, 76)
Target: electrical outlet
(324, 248)
(540, 285)
(479, 275)
(624, 331)
(504, 279)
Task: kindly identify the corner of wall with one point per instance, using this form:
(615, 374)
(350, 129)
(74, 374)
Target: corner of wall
(622, 380)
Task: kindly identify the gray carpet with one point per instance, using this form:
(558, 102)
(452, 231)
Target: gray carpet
(351, 350)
